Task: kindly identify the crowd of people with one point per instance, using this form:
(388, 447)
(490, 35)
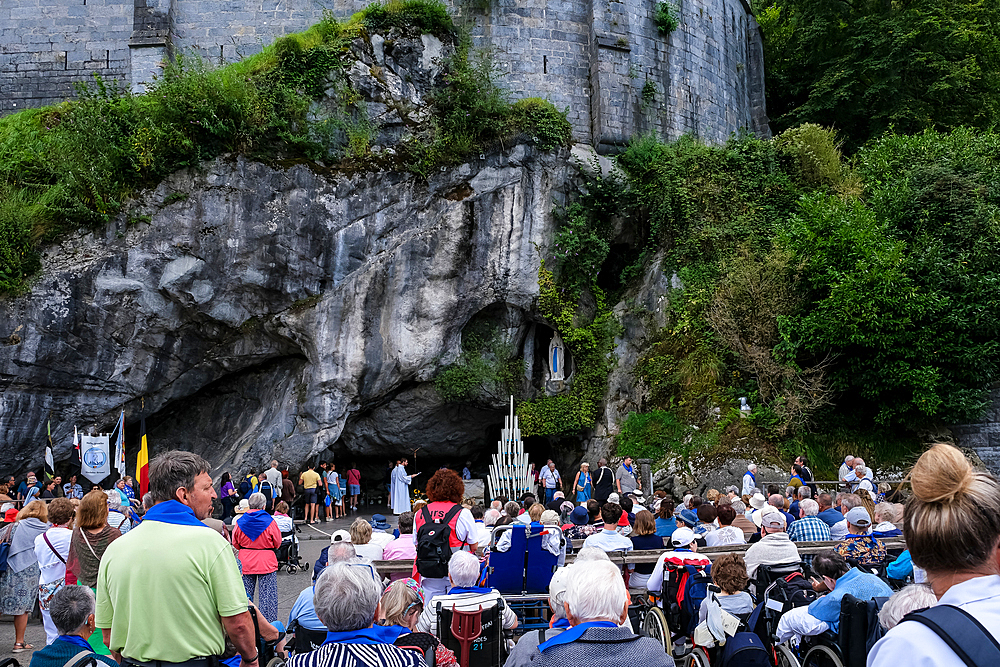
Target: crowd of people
(97, 566)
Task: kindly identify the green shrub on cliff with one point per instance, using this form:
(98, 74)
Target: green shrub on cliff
(77, 163)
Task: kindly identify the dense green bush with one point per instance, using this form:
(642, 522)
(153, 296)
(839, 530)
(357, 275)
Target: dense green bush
(853, 297)
(650, 435)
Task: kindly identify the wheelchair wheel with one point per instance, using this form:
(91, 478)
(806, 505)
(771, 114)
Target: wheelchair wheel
(822, 655)
(276, 662)
(654, 626)
(785, 657)
(696, 658)
(291, 569)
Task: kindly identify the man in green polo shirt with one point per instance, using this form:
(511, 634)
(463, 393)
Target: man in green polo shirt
(169, 591)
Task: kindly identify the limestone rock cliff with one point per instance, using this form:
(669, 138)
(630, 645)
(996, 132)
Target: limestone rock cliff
(260, 311)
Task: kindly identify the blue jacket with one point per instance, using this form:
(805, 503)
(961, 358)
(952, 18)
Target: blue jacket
(862, 585)
(59, 652)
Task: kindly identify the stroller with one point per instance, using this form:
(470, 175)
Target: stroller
(288, 553)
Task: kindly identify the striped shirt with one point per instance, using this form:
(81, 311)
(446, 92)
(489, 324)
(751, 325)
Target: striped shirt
(357, 655)
(463, 602)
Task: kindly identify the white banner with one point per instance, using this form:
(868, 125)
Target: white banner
(96, 457)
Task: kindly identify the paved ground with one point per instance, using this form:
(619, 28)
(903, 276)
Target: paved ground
(312, 539)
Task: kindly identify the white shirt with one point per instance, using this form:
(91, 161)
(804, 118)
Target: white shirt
(285, 525)
(748, 484)
(381, 538)
(915, 645)
(485, 535)
(608, 540)
(370, 551)
(723, 536)
(838, 531)
(52, 569)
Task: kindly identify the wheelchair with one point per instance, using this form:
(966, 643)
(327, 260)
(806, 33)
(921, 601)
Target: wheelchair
(649, 620)
(304, 640)
(476, 637)
(288, 553)
(267, 651)
(859, 630)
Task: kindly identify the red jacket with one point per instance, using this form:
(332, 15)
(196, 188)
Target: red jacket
(257, 556)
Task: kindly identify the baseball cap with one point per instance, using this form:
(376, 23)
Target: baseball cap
(859, 517)
(773, 520)
(340, 536)
(682, 537)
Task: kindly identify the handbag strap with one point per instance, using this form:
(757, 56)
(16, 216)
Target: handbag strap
(965, 635)
(58, 555)
(85, 539)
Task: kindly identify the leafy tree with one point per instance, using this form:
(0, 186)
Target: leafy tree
(865, 66)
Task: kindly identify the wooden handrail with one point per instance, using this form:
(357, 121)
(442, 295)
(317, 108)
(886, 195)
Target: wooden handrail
(387, 567)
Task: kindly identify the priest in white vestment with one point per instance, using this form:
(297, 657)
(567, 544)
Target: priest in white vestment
(399, 499)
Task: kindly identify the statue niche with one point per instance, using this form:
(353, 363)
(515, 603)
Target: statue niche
(556, 381)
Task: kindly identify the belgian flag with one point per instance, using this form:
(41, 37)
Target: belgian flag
(142, 462)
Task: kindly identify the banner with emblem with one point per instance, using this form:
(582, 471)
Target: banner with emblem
(95, 462)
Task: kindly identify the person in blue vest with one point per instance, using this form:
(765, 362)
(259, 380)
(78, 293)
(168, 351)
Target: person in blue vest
(72, 609)
(750, 480)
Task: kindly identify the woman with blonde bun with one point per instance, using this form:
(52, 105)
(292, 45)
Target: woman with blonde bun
(952, 529)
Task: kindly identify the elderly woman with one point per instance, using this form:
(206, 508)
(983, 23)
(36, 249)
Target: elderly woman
(401, 606)
(583, 484)
(886, 516)
(72, 610)
(952, 528)
(51, 552)
(116, 515)
(19, 586)
(596, 604)
(346, 600)
(256, 536)
(361, 538)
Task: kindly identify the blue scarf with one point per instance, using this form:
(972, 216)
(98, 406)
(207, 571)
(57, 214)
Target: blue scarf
(629, 468)
(254, 523)
(377, 634)
(469, 589)
(560, 624)
(175, 512)
(78, 641)
(752, 476)
(574, 633)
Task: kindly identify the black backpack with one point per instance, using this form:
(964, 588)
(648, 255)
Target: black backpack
(793, 591)
(434, 545)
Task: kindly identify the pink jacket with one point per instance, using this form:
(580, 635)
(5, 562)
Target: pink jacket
(257, 556)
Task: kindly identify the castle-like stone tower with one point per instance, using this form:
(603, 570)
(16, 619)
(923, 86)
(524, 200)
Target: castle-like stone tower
(603, 60)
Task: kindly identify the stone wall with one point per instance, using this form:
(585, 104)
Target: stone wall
(46, 46)
(592, 58)
(983, 437)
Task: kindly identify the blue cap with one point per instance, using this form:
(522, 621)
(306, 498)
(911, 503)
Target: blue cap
(689, 517)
